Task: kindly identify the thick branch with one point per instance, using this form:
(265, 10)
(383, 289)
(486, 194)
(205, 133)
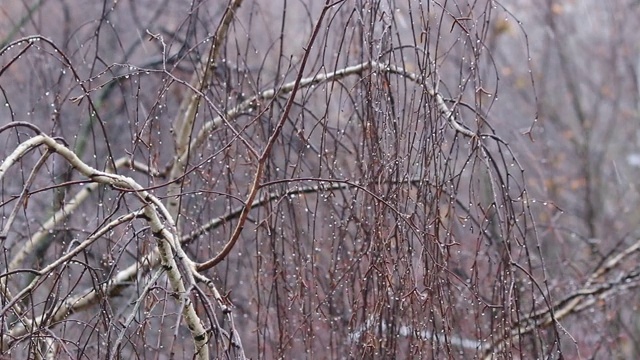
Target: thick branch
(358, 69)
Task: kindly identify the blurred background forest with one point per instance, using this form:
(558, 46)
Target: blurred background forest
(349, 179)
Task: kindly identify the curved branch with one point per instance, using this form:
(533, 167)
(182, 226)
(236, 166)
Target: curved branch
(153, 208)
(255, 185)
